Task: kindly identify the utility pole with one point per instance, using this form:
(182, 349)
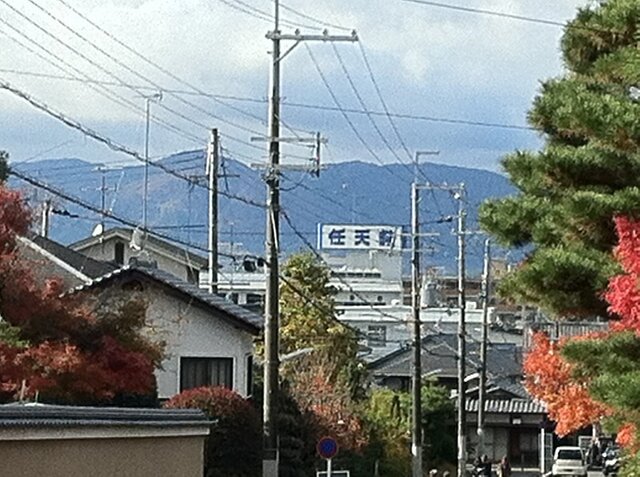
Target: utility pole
(46, 215)
(486, 290)
(213, 160)
(272, 295)
(416, 381)
(462, 345)
(272, 310)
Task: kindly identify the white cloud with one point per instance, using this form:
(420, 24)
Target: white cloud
(428, 60)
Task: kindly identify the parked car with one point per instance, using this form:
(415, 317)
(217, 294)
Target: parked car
(569, 461)
(611, 458)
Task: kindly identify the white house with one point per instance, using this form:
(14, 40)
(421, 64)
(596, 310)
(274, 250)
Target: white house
(209, 341)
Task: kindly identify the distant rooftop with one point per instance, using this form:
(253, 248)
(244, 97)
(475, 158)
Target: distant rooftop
(86, 265)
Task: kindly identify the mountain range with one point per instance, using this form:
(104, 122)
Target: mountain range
(344, 193)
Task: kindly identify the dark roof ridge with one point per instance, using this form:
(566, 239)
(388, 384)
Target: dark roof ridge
(235, 313)
(86, 265)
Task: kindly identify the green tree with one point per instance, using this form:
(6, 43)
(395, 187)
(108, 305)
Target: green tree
(308, 315)
(587, 172)
(387, 415)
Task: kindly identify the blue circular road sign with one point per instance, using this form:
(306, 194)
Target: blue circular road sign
(327, 447)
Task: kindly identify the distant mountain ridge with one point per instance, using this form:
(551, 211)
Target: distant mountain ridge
(349, 192)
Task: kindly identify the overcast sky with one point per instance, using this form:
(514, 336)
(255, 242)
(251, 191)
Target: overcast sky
(428, 61)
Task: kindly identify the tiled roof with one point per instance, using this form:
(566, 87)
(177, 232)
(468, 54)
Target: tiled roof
(510, 406)
(86, 265)
(49, 416)
(234, 313)
(439, 353)
(506, 384)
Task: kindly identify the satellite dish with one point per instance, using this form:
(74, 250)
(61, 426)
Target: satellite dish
(97, 230)
(137, 240)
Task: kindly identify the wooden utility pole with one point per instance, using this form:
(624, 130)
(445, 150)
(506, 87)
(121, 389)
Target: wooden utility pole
(416, 286)
(416, 381)
(272, 177)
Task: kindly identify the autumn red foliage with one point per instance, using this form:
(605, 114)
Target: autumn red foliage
(548, 377)
(234, 444)
(52, 344)
(326, 399)
(551, 378)
(623, 294)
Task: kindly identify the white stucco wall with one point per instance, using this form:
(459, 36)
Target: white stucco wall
(188, 331)
(191, 332)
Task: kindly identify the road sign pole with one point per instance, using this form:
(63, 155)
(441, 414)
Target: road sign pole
(329, 467)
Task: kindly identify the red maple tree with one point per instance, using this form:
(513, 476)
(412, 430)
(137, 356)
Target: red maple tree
(550, 377)
(53, 344)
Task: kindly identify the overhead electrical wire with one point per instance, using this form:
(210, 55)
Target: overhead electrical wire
(195, 90)
(310, 18)
(318, 107)
(103, 91)
(95, 64)
(376, 86)
(510, 16)
(106, 213)
(344, 114)
(364, 108)
(137, 74)
(481, 11)
(109, 142)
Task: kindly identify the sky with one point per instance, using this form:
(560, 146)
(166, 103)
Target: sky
(426, 61)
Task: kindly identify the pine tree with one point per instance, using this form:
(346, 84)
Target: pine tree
(587, 172)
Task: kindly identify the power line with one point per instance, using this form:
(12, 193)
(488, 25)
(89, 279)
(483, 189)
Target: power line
(372, 77)
(481, 11)
(77, 201)
(114, 97)
(344, 114)
(511, 16)
(137, 74)
(316, 20)
(92, 62)
(364, 108)
(318, 107)
(110, 143)
(198, 91)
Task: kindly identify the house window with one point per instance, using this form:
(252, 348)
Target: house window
(119, 253)
(376, 335)
(197, 372)
(249, 365)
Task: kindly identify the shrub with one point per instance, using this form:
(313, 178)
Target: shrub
(233, 448)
